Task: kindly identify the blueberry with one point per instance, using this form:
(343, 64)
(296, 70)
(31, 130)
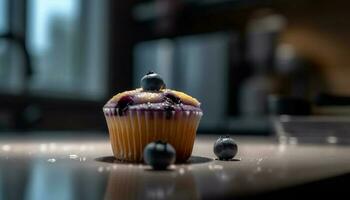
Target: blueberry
(225, 148)
(152, 82)
(168, 111)
(172, 98)
(159, 155)
(123, 104)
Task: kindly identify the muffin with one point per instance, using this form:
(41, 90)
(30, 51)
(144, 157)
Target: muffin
(152, 112)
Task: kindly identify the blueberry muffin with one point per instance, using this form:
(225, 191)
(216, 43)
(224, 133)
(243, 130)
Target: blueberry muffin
(152, 112)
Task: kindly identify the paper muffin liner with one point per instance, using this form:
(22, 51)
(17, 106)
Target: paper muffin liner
(132, 131)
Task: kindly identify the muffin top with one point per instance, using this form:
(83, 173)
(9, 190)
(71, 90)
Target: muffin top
(153, 95)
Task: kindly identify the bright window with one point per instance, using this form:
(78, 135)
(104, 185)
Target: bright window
(3, 15)
(66, 46)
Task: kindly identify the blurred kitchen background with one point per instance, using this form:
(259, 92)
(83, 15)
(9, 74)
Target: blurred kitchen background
(245, 60)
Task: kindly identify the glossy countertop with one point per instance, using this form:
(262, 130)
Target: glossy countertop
(83, 168)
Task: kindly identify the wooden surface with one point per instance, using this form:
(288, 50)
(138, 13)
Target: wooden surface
(82, 168)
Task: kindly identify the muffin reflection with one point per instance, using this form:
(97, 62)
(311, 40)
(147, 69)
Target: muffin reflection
(138, 182)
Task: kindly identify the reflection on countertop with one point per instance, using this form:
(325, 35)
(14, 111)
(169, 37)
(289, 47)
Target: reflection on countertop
(73, 169)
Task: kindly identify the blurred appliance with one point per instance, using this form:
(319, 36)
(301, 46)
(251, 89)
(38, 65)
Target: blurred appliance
(262, 34)
(324, 120)
(312, 129)
(197, 65)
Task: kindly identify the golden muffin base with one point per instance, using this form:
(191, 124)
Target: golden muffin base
(130, 133)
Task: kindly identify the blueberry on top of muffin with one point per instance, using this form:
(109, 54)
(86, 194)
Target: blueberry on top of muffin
(152, 82)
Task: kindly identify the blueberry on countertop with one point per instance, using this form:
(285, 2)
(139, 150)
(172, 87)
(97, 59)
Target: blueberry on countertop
(225, 148)
(152, 82)
(159, 155)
